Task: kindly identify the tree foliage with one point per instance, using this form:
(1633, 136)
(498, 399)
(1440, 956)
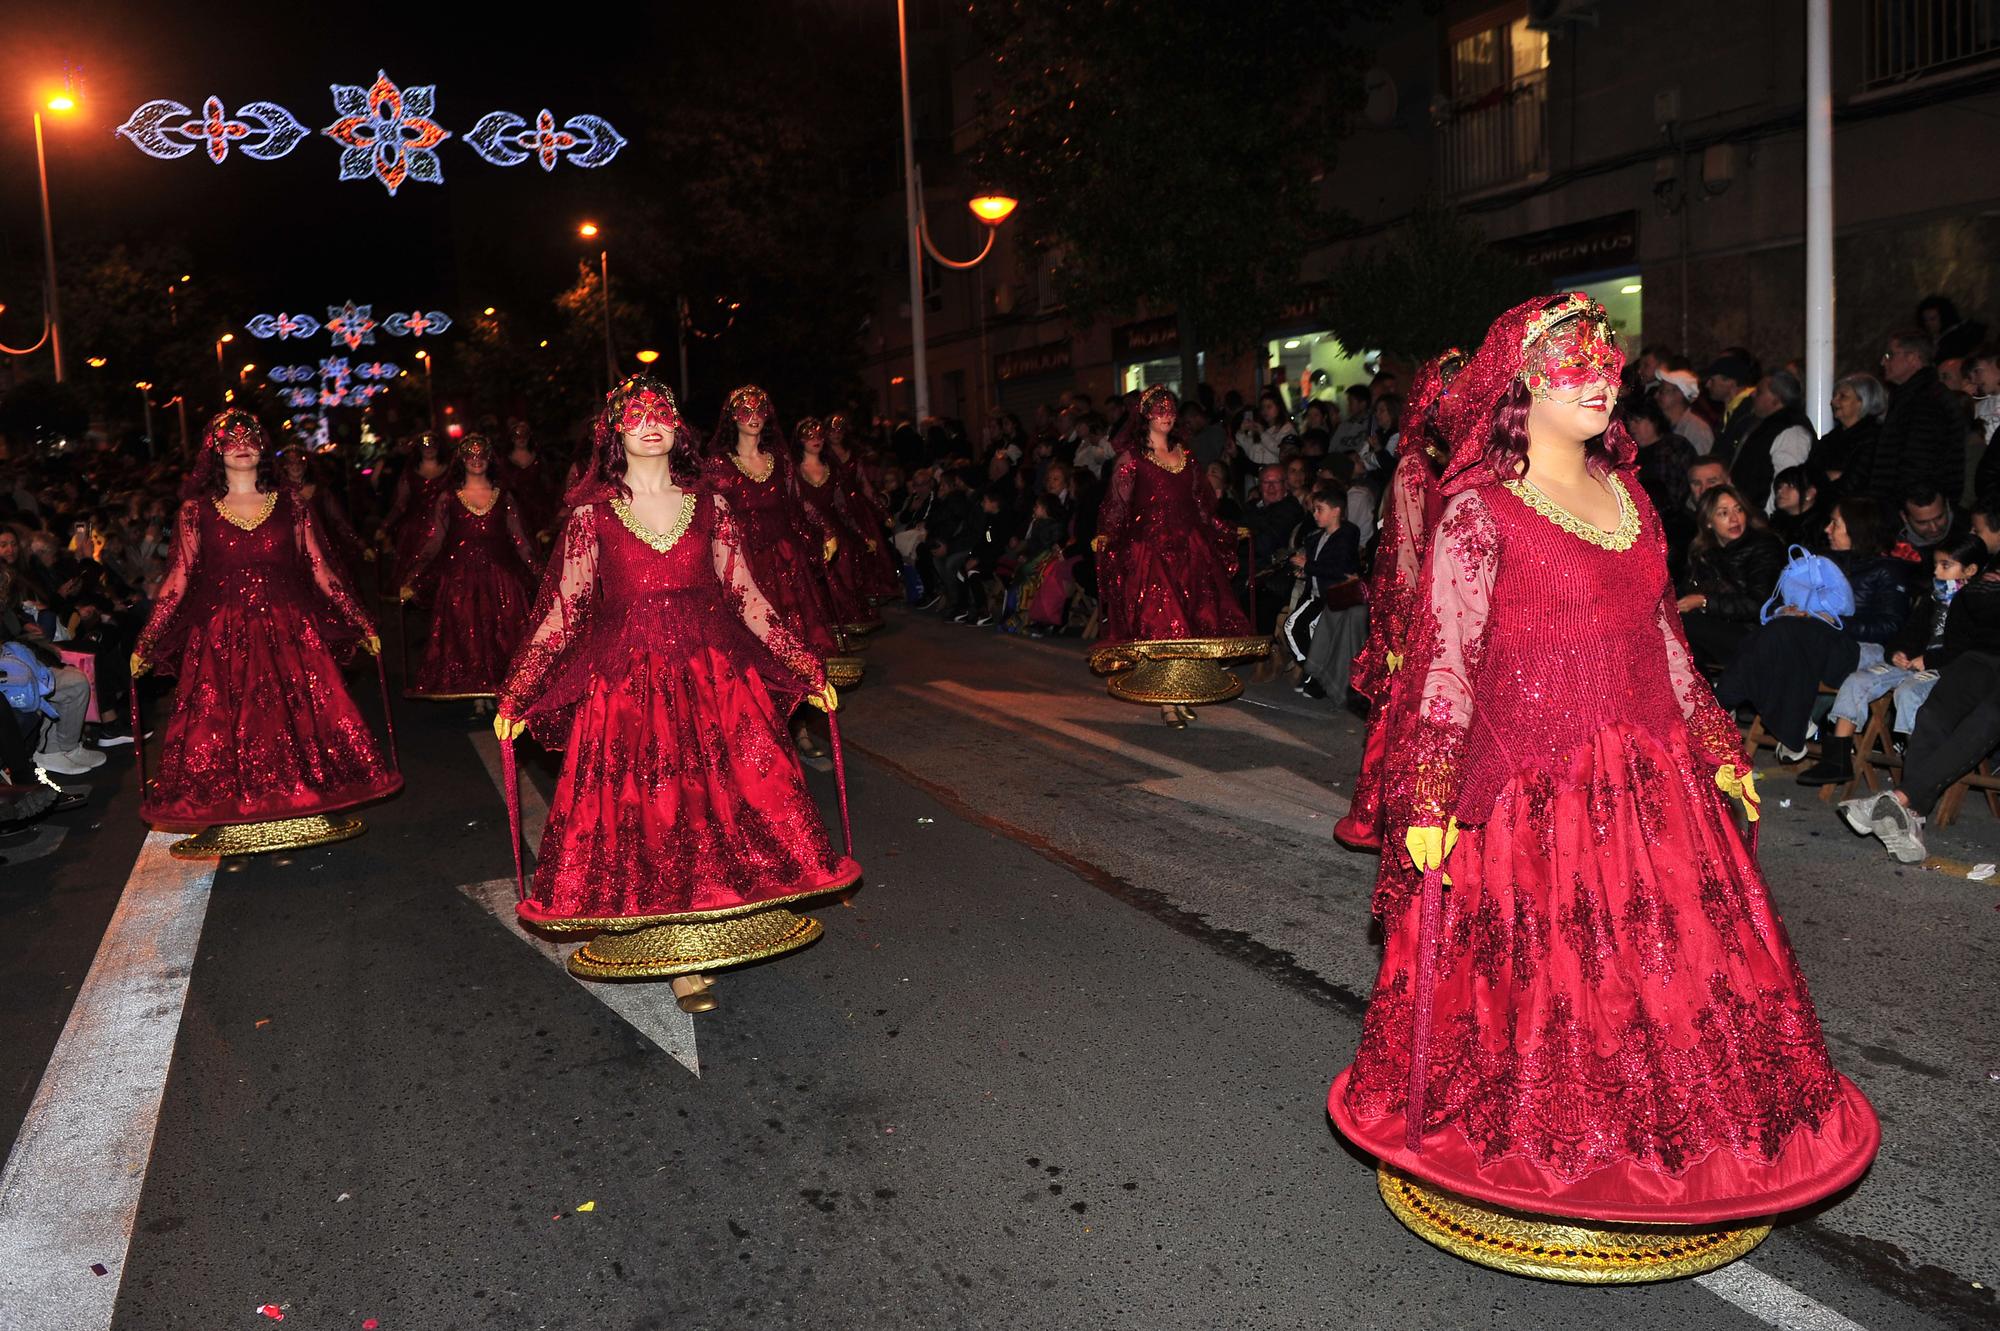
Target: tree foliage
(1435, 284)
(1171, 151)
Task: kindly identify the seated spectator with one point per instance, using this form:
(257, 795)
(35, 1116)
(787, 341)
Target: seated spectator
(1095, 451)
(1352, 431)
(1956, 729)
(1272, 518)
(1780, 666)
(1674, 395)
(1359, 509)
(975, 557)
(1779, 438)
(1663, 474)
(1227, 506)
(1929, 520)
(1953, 615)
(1859, 403)
(1798, 516)
(1335, 604)
(1705, 475)
(1733, 565)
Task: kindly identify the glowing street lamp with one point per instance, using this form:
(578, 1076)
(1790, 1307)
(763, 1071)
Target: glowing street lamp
(490, 311)
(221, 374)
(647, 357)
(61, 104)
(146, 401)
(589, 231)
(97, 362)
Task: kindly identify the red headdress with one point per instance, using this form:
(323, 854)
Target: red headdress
(1548, 345)
(627, 407)
(747, 401)
(232, 425)
(1135, 429)
(1418, 427)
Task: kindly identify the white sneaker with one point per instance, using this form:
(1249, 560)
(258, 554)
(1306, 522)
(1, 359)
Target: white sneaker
(1903, 833)
(1786, 755)
(74, 762)
(1861, 813)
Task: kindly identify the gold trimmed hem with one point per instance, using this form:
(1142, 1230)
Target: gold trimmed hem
(1126, 655)
(591, 924)
(447, 697)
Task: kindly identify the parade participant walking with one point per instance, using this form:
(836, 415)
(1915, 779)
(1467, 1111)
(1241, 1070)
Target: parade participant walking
(1164, 564)
(847, 572)
(476, 570)
(425, 475)
(265, 744)
(1595, 1059)
(681, 829)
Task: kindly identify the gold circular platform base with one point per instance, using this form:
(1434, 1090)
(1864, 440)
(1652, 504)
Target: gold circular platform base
(1576, 1252)
(319, 829)
(859, 630)
(1182, 670)
(658, 951)
(844, 672)
(448, 697)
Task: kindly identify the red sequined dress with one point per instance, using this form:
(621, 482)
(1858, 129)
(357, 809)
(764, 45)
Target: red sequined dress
(1395, 597)
(410, 513)
(783, 541)
(664, 675)
(1619, 1030)
(476, 571)
(880, 577)
(342, 541)
(847, 573)
(255, 624)
(1165, 571)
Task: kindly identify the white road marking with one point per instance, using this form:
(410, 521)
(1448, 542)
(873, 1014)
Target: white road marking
(1771, 1300)
(648, 1008)
(70, 1191)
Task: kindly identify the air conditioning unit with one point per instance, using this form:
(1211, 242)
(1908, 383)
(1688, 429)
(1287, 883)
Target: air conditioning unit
(1551, 15)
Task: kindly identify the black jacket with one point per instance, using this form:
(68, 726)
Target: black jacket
(1737, 578)
(1271, 526)
(1881, 598)
(1836, 450)
(1752, 471)
(1921, 444)
(1335, 558)
(1973, 624)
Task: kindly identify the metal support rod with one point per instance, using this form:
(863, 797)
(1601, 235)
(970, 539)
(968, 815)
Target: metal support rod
(146, 400)
(610, 356)
(681, 326)
(912, 204)
(1819, 214)
(49, 250)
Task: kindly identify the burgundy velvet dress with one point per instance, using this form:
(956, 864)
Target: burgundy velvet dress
(847, 574)
(255, 624)
(663, 674)
(881, 578)
(1166, 567)
(476, 572)
(1619, 1030)
(782, 539)
(409, 516)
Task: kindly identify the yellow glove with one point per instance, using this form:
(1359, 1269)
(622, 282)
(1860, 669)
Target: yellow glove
(506, 728)
(368, 554)
(1394, 660)
(1099, 543)
(826, 699)
(139, 666)
(832, 544)
(1430, 847)
(1242, 533)
(407, 594)
(873, 546)
(1741, 786)
(373, 642)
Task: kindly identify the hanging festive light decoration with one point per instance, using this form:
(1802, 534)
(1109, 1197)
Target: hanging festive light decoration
(352, 324)
(262, 131)
(386, 133)
(416, 323)
(282, 326)
(505, 139)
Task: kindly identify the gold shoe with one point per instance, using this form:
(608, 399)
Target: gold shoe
(695, 993)
(1172, 716)
(1187, 712)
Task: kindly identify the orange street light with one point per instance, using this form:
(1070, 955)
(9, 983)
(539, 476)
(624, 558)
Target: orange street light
(229, 337)
(993, 209)
(587, 230)
(97, 362)
(647, 357)
(489, 311)
(62, 102)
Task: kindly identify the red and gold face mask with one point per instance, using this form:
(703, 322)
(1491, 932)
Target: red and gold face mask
(1573, 356)
(748, 405)
(1159, 405)
(235, 429)
(811, 431)
(648, 406)
(475, 449)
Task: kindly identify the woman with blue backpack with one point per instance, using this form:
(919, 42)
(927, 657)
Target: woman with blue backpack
(1826, 607)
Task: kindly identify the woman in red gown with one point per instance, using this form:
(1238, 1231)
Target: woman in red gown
(821, 491)
(884, 579)
(749, 467)
(476, 568)
(1409, 513)
(681, 827)
(1164, 559)
(255, 620)
(1603, 1020)
(425, 476)
(296, 466)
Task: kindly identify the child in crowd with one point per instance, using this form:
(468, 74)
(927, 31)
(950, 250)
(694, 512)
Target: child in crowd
(1335, 606)
(1947, 619)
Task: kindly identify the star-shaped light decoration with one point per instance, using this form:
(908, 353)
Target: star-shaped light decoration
(352, 324)
(386, 133)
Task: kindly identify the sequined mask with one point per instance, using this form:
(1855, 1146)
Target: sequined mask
(749, 405)
(1572, 357)
(647, 407)
(235, 428)
(811, 432)
(1159, 405)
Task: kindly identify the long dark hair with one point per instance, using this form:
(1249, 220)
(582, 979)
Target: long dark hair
(1705, 539)
(1134, 430)
(602, 474)
(209, 478)
(1507, 442)
(722, 442)
(1867, 533)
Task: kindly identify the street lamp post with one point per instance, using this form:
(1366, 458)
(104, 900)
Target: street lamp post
(430, 388)
(222, 374)
(681, 328)
(49, 234)
(146, 401)
(588, 230)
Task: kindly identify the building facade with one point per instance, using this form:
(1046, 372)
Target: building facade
(1655, 157)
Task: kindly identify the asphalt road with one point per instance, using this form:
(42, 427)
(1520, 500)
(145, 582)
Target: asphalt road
(1061, 1062)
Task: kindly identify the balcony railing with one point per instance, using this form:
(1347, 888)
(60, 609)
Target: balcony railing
(1496, 140)
(1909, 39)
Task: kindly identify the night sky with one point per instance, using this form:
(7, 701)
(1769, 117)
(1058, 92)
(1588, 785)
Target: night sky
(296, 237)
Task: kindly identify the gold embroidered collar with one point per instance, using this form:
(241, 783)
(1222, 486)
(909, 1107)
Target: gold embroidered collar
(770, 465)
(248, 524)
(1620, 539)
(662, 541)
(1181, 461)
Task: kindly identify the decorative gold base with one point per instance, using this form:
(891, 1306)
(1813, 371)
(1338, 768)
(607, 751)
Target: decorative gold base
(1575, 1252)
(691, 948)
(1182, 670)
(844, 672)
(319, 829)
(860, 630)
(448, 697)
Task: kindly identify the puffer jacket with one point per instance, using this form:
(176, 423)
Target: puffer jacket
(1739, 577)
(1881, 598)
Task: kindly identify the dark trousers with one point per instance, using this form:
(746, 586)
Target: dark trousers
(1778, 671)
(17, 733)
(1715, 640)
(1958, 725)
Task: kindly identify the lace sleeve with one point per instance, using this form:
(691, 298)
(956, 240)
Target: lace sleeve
(400, 501)
(750, 604)
(517, 531)
(1450, 632)
(1405, 508)
(326, 574)
(173, 587)
(1221, 534)
(807, 520)
(562, 611)
(1714, 735)
(1114, 517)
(436, 526)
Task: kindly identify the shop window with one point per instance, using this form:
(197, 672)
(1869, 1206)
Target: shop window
(1493, 120)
